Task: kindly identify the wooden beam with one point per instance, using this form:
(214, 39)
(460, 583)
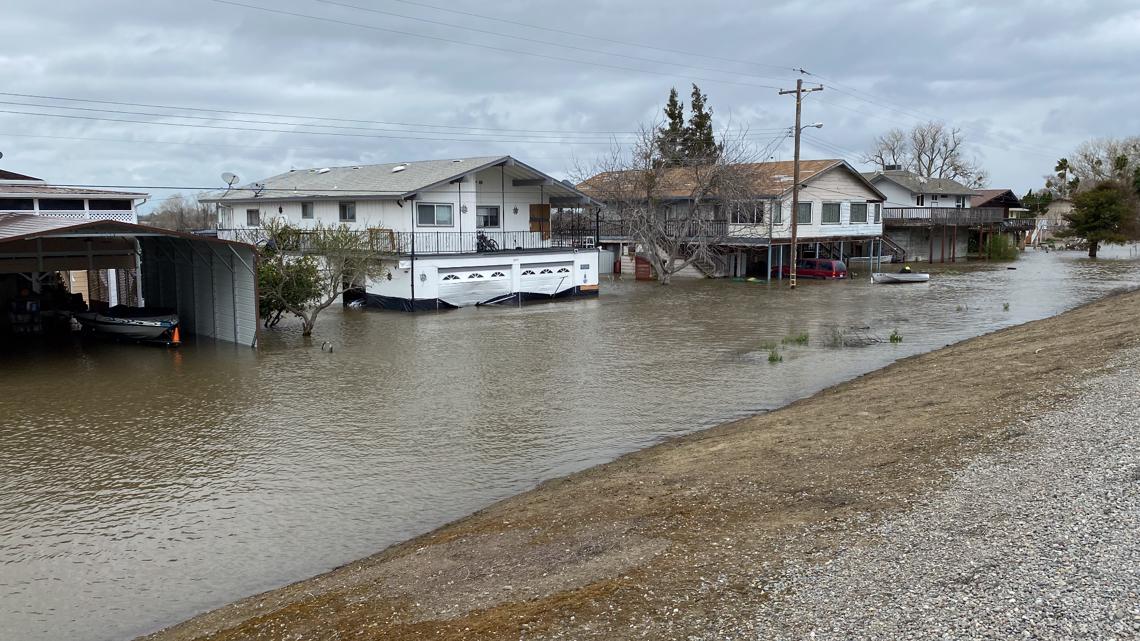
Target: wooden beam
(531, 182)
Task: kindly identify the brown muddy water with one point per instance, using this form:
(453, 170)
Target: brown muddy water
(139, 486)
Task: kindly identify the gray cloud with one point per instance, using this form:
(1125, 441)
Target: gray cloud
(1026, 81)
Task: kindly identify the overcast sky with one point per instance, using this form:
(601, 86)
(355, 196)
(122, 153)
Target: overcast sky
(1026, 81)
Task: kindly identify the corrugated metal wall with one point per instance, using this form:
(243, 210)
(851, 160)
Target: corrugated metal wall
(212, 286)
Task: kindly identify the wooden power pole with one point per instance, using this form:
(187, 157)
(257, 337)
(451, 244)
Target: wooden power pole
(799, 91)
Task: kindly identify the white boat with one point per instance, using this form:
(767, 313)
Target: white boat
(133, 323)
(899, 277)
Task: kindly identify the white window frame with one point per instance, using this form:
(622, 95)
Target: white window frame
(933, 200)
(435, 216)
(838, 212)
(257, 217)
(920, 200)
(851, 215)
(960, 202)
(341, 214)
(479, 214)
(777, 212)
(311, 207)
(878, 213)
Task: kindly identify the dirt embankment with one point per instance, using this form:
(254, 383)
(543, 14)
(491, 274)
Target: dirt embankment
(656, 543)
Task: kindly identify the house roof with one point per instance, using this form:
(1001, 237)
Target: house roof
(916, 184)
(396, 180)
(769, 179)
(11, 175)
(995, 198)
(25, 226)
(49, 191)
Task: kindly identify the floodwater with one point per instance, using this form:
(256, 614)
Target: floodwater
(139, 486)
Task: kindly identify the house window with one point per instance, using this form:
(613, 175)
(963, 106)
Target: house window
(803, 213)
(858, 213)
(307, 211)
(933, 200)
(920, 200)
(347, 212)
(959, 201)
(830, 214)
(747, 213)
(17, 204)
(878, 213)
(486, 216)
(110, 205)
(253, 218)
(61, 204)
(777, 212)
(428, 214)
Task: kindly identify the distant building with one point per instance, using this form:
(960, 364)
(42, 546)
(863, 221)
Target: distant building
(455, 232)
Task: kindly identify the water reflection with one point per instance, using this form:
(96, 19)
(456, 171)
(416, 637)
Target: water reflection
(139, 486)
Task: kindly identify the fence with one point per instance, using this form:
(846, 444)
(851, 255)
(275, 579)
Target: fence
(386, 241)
(921, 216)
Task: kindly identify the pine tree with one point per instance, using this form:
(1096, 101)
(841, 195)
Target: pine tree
(698, 143)
(670, 138)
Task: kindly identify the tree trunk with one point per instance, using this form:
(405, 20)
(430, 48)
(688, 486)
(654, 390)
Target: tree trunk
(1093, 247)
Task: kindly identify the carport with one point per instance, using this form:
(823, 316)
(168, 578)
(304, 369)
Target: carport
(210, 283)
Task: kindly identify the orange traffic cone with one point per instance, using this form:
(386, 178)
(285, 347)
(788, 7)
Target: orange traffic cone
(175, 338)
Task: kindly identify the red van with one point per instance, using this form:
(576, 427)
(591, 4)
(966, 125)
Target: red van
(823, 268)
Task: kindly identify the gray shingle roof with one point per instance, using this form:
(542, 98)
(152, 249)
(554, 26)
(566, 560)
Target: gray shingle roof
(377, 181)
(918, 185)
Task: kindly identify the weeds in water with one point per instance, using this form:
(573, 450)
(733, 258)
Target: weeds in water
(797, 339)
(852, 337)
(896, 337)
(1005, 307)
(774, 357)
(768, 345)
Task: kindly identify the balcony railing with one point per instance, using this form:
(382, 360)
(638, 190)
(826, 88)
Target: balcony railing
(399, 243)
(122, 216)
(623, 229)
(923, 216)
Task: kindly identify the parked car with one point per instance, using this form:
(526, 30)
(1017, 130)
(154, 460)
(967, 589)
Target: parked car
(823, 268)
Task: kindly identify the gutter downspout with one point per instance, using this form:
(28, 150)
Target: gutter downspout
(412, 272)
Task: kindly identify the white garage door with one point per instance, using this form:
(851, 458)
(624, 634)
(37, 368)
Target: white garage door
(463, 286)
(546, 278)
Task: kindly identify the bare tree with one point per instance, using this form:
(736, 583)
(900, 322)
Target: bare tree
(181, 213)
(931, 150)
(675, 215)
(304, 271)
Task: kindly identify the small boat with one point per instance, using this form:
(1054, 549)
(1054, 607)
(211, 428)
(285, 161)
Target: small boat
(132, 323)
(899, 277)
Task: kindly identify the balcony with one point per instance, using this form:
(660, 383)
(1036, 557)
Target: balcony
(424, 243)
(928, 216)
(85, 215)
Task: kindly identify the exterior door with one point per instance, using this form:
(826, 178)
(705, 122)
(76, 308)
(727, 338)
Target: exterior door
(540, 220)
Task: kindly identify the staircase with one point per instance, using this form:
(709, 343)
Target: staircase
(896, 250)
(708, 267)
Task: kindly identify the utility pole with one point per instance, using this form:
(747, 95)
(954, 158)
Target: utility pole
(799, 91)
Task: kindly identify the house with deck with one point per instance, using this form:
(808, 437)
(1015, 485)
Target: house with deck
(839, 216)
(931, 219)
(453, 232)
(22, 195)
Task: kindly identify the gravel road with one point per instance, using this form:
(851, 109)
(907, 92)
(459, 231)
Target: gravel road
(1038, 539)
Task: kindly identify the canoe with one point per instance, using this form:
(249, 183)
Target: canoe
(899, 277)
(132, 323)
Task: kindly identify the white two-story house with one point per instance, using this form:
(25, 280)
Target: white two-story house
(931, 219)
(454, 232)
(839, 216)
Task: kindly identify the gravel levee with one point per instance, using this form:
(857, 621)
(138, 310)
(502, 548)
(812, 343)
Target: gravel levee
(1039, 539)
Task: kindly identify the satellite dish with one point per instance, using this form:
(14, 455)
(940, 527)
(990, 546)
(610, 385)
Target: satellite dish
(229, 178)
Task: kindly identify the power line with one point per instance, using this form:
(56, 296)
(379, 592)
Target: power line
(597, 38)
(483, 46)
(561, 45)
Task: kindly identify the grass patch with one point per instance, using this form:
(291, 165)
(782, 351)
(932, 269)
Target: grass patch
(796, 339)
(768, 345)
(896, 337)
(774, 357)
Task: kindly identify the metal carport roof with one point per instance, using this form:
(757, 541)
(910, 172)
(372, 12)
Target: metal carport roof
(211, 283)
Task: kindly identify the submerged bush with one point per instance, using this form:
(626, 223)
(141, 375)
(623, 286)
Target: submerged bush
(774, 357)
(797, 339)
(1000, 247)
(896, 337)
